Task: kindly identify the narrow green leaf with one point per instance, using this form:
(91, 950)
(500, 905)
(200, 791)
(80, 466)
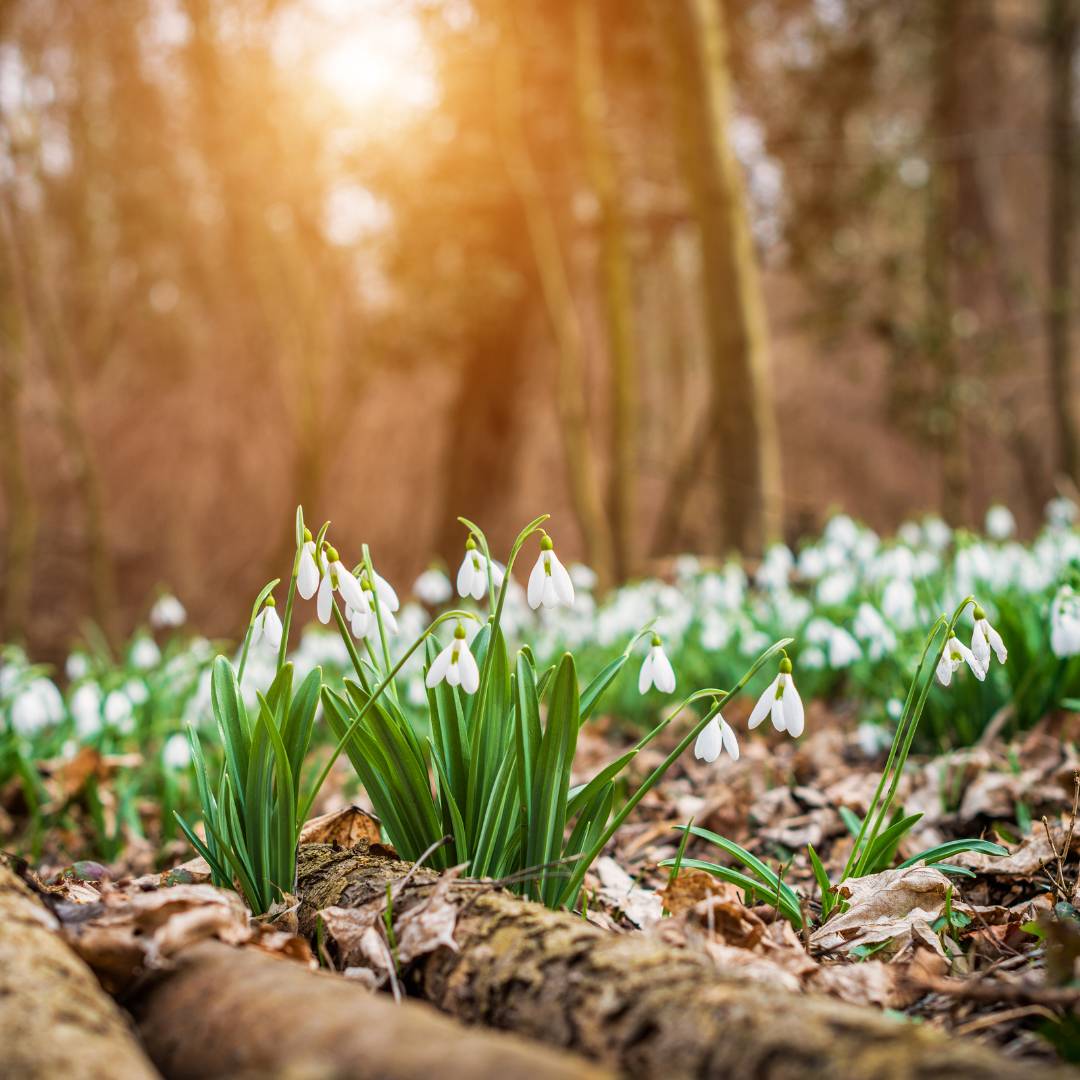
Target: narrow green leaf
(881, 854)
(851, 820)
(789, 906)
(231, 717)
(580, 796)
(590, 696)
(954, 847)
(828, 900)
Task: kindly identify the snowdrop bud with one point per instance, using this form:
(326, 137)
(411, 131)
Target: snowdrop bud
(307, 573)
(268, 625)
(984, 638)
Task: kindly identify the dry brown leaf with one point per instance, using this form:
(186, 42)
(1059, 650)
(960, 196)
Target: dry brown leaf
(345, 828)
(895, 906)
(869, 983)
(347, 926)
(641, 906)
(423, 928)
(690, 887)
(1026, 860)
(751, 966)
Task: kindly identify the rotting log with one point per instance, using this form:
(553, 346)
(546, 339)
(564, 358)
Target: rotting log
(55, 1020)
(225, 1013)
(633, 1004)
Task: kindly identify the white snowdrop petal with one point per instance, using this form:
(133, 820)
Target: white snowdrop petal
(794, 713)
(325, 602)
(663, 673)
(550, 597)
(257, 627)
(764, 705)
(776, 712)
(479, 583)
(453, 673)
(352, 592)
(272, 628)
(387, 596)
(564, 586)
(498, 573)
(731, 743)
(645, 676)
(470, 673)
(944, 670)
(997, 644)
(536, 583)
(464, 575)
(307, 576)
(439, 666)
(389, 622)
(979, 645)
(710, 742)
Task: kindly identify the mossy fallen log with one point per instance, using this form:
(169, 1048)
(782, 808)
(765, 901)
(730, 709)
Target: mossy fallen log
(225, 1013)
(629, 1002)
(55, 1020)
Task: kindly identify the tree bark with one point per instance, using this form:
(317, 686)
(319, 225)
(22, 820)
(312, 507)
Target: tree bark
(22, 521)
(42, 315)
(1061, 38)
(947, 419)
(743, 413)
(544, 238)
(631, 1003)
(224, 1013)
(618, 286)
(55, 1020)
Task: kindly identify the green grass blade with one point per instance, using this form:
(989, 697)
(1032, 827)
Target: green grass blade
(954, 847)
(581, 796)
(591, 695)
(788, 909)
(284, 829)
(885, 845)
(231, 717)
(297, 733)
(527, 730)
(828, 899)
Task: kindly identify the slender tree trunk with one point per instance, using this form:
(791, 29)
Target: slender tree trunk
(743, 413)
(948, 422)
(544, 237)
(33, 285)
(618, 286)
(22, 518)
(1061, 38)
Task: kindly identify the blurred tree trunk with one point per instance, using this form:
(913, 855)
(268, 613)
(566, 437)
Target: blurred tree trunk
(32, 278)
(1061, 38)
(618, 286)
(544, 237)
(743, 417)
(18, 564)
(947, 419)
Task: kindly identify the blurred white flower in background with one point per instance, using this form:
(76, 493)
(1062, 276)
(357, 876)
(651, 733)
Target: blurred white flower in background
(585, 578)
(119, 712)
(136, 691)
(176, 753)
(85, 708)
(433, 588)
(1000, 523)
(38, 705)
(1061, 513)
(938, 535)
(872, 628)
(77, 666)
(167, 612)
(1065, 623)
(145, 654)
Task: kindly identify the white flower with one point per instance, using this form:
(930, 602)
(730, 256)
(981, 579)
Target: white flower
(656, 671)
(938, 534)
(1065, 623)
(268, 625)
(145, 654)
(167, 611)
(335, 576)
(85, 707)
(1000, 523)
(433, 587)
(1061, 513)
(39, 705)
(986, 637)
(455, 664)
(307, 573)
(388, 599)
(716, 736)
(782, 700)
(472, 576)
(363, 622)
(137, 691)
(118, 708)
(549, 583)
(77, 666)
(584, 577)
(955, 654)
(176, 753)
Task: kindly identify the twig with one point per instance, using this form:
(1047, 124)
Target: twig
(1003, 1017)
(979, 989)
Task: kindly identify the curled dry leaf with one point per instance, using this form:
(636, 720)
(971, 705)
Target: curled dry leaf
(343, 828)
(423, 928)
(643, 907)
(690, 887)
(894, 908)
(869, 983)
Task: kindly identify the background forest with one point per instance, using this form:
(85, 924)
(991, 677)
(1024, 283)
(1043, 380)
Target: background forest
(688, 275)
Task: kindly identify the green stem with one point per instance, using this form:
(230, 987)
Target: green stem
(579, 874)
(343, 742)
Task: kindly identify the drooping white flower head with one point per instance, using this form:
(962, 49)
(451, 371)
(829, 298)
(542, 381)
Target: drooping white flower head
(119, 712)
(176, 753)
(364, 622)
(166, 612)
(1065, 623)
(433, 587)
(955, 654)
(656, 670)
(456, 665)
(472, 576)
(984, 638)
(85, 707)
(335, 576)
(782, 701)
(144, 653)
(549, 582)
(268, 625)
(39, 705)
(388, 599)
(307, 573)
(1000, 523)
(77, 666)
(716, 736)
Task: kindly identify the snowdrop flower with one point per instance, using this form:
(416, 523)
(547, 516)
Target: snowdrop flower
(145, 654)
(716, 736)
(472, 576)
(118, 709)
(268, 625)
(167, 611)
(77, 666)
(1065, 623)
(955, 654)
(433, 587)
(1061, 513)
(584, 577)
(335, 576)
(782, 700)
(364, 622)
(455, 664)
(898, 603)
(388, 599)
(307, 573)
(39, 705)
(549, 583)
(137, 691)
(1000, 523)
(938, 534)
(986, 637)
(656, 671)
(176, 753)
(86, 709)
